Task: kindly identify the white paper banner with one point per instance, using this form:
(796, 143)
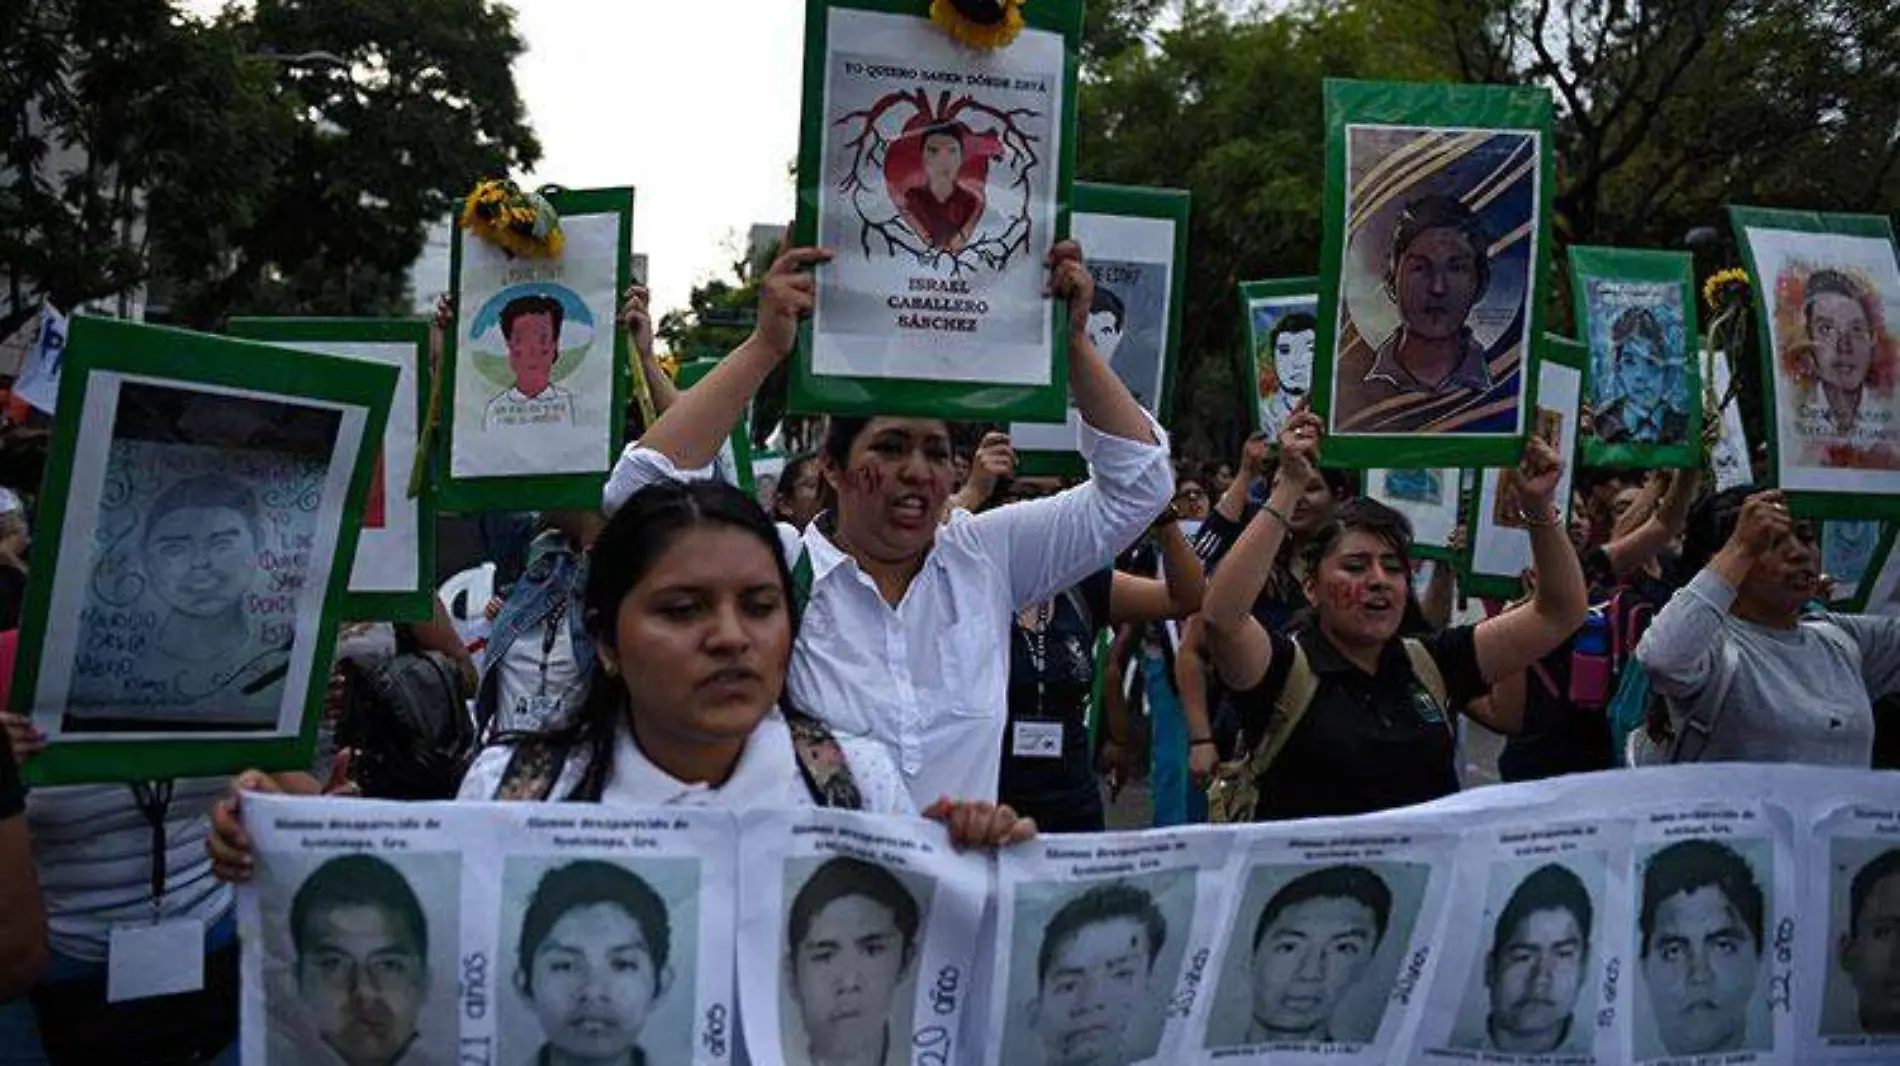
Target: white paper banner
(38, 383)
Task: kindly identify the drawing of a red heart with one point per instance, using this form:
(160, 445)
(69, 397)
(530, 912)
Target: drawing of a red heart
(936, 173)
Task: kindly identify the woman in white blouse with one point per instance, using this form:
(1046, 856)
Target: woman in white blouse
(904, 638)
(690, 606)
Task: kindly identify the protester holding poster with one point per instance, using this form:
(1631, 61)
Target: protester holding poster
(1329, 755)
(940, 593)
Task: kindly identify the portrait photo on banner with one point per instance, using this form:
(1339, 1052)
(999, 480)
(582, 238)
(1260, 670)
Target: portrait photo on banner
(198, 514)
(1136, 241)
(1433, 269)
(1282, 333)
(598, 959)
(537, 378)
(1827, 295)
(1862, 992)
(935, 173)
(1642, 386)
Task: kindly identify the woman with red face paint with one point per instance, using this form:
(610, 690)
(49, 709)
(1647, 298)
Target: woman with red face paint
(1359, 719)
(902, 638)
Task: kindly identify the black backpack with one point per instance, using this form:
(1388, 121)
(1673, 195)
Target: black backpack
(413, 732)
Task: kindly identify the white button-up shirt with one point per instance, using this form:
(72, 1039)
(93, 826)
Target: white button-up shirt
(929, 678)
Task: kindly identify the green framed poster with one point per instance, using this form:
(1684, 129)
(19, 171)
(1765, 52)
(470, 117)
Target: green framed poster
(1636, 312)
(1498, 548)
(200, 516)
(734, 462)
(1850, 551)
(1430, 500)
(393, 578)
(1827, 297)
(1136, 243)
(1879, 589)
(535, 373)
(940, 177)
(1436, 218)
(1282, 318)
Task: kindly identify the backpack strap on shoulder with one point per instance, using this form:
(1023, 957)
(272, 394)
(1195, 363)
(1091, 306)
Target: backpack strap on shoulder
(1296, 697)
(822, 764)
(533, 769)
(1425, 668)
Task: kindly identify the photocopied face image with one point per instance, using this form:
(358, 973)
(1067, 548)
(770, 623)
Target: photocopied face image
(851, 945)
(1699, 941)
(1108, 321)
(1285, 331)
(1091, 966)
(601, 968)
(365, 988)
(1535, 967)
(1637, 344)
(1863, 985)
(1313, 954)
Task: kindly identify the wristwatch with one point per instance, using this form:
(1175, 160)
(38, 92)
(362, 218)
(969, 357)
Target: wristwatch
(1535, 520)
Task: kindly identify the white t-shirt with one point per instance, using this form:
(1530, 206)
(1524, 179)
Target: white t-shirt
(524, 701)
(767, 775)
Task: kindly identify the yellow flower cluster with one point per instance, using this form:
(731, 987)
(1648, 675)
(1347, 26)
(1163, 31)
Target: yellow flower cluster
(982, 24)
(1725, 287)
(521, 224)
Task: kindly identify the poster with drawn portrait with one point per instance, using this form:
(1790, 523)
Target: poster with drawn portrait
(1428, 498)
(393, 578)
(1730, 458)
(1642, 386)
(1432, 270)
(1102, 945)
(1852, 1015)
(1827, 295)
(1325, 935)
(936, 174)
(873, 936)
(1136, 240)
(1712, 934)
(1500, 540)
(1282, 333)
(1537, 976)
(203, 502)
(1847, 555)
(537, 372)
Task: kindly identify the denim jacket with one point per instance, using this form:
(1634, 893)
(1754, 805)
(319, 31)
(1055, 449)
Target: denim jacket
(555, 569)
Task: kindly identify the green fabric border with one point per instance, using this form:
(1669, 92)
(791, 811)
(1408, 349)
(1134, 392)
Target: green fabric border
(413, 605)
(1628, 264)
(1882, 551)
(1131, 201)
(1486, 107)
(1554, 349)
(187, 359)
(1245, 373)
(811, 393)
(544, 492)
(689, 375)
(1807, 504)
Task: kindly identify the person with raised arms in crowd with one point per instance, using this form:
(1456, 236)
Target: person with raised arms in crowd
(900, 638)
(1352, 717)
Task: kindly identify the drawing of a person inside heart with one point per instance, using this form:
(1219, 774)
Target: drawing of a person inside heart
(936, 172)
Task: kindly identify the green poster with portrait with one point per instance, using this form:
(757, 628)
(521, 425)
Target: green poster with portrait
(1432, 272)
(1498, 541)
(1135, 240)
(1276, 370)
(734, 461)
(1827, 297)
(1642, 389)
(200, 517)
(939, 176)
(535, 370)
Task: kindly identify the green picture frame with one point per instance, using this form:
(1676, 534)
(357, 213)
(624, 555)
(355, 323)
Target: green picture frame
(740, 440)
(1856, 593)
(331, 336)
(1115, 202)
(1881, 582)
(812, 392)
(1476, 160)
(1285, 296)
(1560, 361)
(547, 492)
(1623, 289)
(1813, 491)
(117, 355)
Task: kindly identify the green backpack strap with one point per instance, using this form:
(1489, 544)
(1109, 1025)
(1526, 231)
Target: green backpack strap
(822, 764)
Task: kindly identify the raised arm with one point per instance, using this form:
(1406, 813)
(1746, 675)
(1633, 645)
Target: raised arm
(1236, 641)
(994, 460)
(1631, 551)
(637, 319)
(1511, 642)
(1190, 684)
(1434, 603)
(1100, 397)
(1253, 454)
(1681, 647)
(1176, 594)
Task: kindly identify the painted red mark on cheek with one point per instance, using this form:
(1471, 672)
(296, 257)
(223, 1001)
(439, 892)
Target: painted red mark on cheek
(867, 479)
(1343, 595)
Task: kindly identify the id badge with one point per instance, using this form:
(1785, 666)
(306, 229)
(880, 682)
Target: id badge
(155, 960)
(539, 710)
(1037, 740)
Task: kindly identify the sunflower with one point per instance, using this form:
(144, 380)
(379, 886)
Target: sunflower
(979, 23)
(522, 224)
(1726, 288)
